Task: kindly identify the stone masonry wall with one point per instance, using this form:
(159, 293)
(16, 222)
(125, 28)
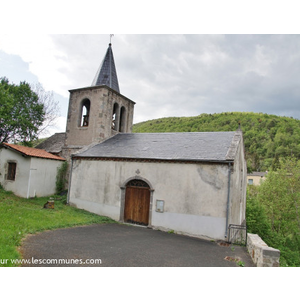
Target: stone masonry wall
(99, 128)
(261, 254)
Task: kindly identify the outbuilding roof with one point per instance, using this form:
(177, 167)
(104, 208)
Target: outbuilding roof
(260, 174)
(54, 143)
(173, 146)
(33, 152)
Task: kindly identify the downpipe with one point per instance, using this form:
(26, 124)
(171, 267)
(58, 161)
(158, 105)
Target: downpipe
(228, 198)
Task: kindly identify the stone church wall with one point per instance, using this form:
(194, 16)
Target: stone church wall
(99, 127)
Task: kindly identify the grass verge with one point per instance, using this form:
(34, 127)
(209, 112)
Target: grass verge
(19, 217)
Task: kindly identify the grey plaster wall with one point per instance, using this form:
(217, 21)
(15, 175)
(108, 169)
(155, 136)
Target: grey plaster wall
(195, 195)
(238, 187)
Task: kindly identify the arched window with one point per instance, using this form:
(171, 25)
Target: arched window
(85, 113)
(115, 117)
(122, 119)
(138, 183)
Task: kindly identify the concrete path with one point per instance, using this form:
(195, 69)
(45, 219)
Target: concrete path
(120, 245)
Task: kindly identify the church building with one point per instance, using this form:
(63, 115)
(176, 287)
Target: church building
(192, 183)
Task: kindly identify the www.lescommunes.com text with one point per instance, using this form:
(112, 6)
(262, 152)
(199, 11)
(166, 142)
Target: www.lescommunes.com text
(52, 261)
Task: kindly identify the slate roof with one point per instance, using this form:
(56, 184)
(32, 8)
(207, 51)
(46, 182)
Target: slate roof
(32, 152)
(180, 146)
(54, 143)
(107, 74)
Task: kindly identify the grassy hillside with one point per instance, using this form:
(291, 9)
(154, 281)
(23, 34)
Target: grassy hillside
(266, 137)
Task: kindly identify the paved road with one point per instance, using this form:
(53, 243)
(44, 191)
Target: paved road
(119, 245)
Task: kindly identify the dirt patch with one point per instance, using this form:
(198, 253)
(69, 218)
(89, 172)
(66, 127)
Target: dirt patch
(223, 244)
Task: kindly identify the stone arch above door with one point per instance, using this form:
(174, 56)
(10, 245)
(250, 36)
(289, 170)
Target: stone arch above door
(123, 186)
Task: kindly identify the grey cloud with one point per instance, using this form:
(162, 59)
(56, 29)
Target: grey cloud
(169, 75)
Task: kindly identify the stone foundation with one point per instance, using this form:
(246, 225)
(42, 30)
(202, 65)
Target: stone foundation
(261, 254)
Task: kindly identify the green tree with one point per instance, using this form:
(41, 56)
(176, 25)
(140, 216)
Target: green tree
(273, 210)
(257, 220)
(21, 114)
(265, 136)
(280, 194)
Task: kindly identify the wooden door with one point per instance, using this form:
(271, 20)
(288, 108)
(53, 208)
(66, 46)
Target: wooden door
(137, 203)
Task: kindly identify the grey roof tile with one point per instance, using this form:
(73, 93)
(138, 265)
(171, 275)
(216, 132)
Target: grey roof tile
(261, 174)
(107, 73)
(195, 146)
(54, 143)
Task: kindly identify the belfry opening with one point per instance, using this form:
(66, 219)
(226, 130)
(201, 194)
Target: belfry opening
(85, 113)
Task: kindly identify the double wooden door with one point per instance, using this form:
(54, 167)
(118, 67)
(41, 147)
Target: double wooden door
(137, 204)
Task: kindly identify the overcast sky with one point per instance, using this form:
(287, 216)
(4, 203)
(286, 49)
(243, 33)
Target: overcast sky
(166, 75)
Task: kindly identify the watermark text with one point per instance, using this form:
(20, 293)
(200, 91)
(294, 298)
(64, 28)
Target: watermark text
(51, 261)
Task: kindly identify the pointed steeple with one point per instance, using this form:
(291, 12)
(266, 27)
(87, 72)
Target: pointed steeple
(107, 73)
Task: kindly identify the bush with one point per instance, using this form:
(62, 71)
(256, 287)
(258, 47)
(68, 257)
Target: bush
(61, 178)
(257, 220)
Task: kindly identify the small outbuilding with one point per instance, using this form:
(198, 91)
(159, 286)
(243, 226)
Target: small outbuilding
(28, 172)
(256, 178)
(192, 183)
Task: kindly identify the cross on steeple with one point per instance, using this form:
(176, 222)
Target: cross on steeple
(111, 35)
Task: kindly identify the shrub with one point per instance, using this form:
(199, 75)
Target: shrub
(61, 179)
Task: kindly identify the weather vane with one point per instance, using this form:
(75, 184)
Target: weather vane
(111, 35)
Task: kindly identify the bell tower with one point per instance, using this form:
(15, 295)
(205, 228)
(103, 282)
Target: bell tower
(99, 111)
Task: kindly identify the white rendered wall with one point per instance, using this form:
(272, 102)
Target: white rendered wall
(36, 173)
(20, 184)
(195, 195)
(43, 176)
